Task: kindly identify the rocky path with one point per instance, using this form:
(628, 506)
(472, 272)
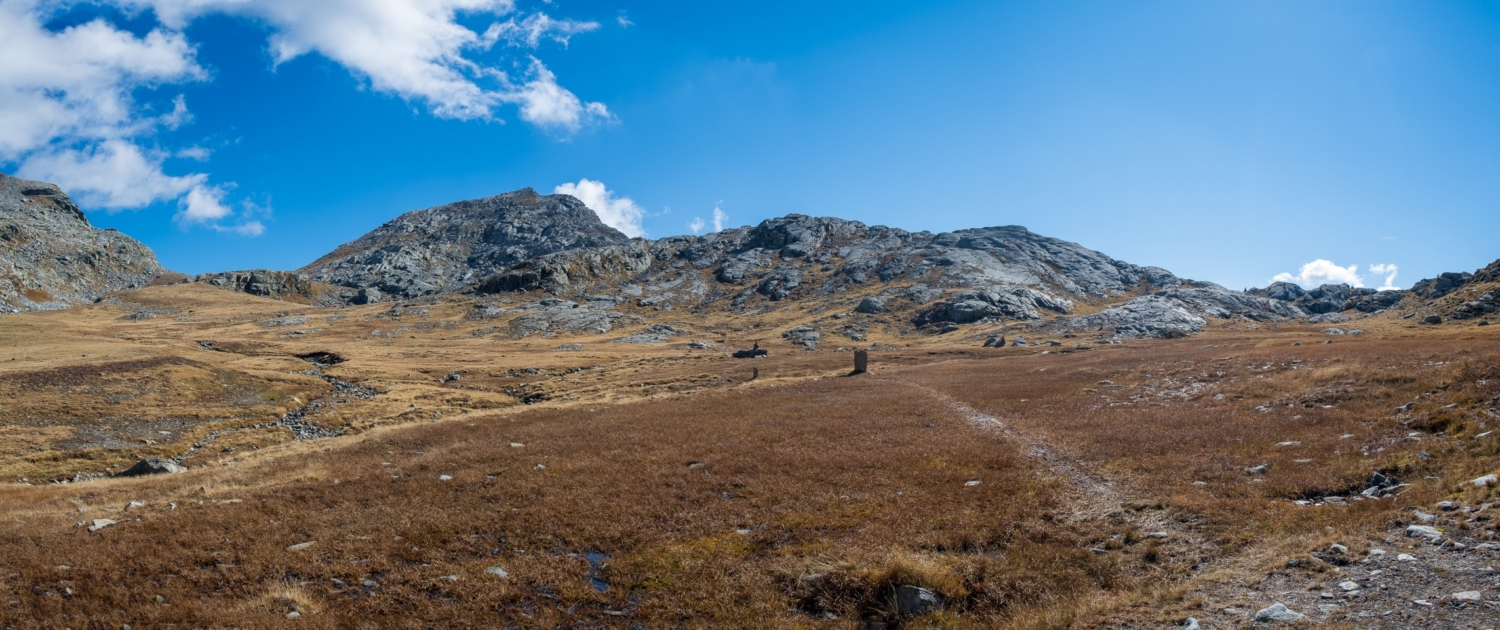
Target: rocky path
(1094, 498)
(1100, 493)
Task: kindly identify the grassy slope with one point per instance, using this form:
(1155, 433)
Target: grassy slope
(815, 496)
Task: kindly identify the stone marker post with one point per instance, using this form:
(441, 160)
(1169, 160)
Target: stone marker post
(861, 361)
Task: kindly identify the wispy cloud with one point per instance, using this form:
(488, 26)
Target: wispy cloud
(720, 217)
(531, 30)
(697, 225)
(620, 213)
(1389, 271)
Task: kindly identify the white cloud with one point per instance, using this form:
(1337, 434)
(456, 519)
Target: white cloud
(546, 104)
(194, 153)
(68, 109)
(619, 213)
(248, 228)
(203, 204)
(623, 21)
(77, 82)
(1320, 272)
(111, 174)
(411, 48)
(531, 30)
(1389, 271)
(719, 218)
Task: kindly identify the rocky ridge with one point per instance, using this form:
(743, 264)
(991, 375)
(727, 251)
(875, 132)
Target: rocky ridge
(587, 276)
(523, 242)
(51, 258)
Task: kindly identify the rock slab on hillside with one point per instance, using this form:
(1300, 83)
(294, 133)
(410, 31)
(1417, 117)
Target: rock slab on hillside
(51, 258)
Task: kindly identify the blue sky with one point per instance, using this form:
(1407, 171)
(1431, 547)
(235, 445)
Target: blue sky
(1224, 141)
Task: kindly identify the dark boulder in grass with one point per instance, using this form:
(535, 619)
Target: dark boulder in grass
(153, 466)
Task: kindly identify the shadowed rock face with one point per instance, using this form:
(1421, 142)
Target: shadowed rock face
(51, 258)
(453, 246)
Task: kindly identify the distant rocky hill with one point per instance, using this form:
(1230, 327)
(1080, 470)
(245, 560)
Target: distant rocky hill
(573, 273)
(448, 247)
(523, 242)
(51, 258)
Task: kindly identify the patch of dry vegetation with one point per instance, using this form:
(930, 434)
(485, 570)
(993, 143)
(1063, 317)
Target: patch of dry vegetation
(665, 486)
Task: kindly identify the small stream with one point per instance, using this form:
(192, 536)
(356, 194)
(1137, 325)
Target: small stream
(296, 419)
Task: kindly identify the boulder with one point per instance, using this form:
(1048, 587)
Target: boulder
(152, 466)
(871, 306)
(914, 600)
(1432, 534)
(803, 335)
(1278, 612)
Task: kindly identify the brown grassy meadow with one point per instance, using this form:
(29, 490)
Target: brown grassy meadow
(662, 487)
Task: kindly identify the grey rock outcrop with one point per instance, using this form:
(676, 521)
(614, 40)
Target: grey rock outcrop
(1328, 318)
(281, 285)
(456, 245)
(1331, 298)
(51, 258)
(1012, 271)
(1445, 283)
(553, 316)
(1146, 316)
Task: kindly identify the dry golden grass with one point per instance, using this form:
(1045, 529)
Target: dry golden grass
(696, 496)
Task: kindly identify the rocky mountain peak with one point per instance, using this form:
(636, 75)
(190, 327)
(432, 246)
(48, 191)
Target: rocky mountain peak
(51, 258)
(443, 247)
(46, 198)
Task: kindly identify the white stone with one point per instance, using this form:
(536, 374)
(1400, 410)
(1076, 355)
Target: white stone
(445, 477)
(1405, 558)
(1349, 585)
(497, 572)
(1468, 596)
(1425, 531)
(1277, 612)
(101, 523)
(1487, 480)
(301, 546)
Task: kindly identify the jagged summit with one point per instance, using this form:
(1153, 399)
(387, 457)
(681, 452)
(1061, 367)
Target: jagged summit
(51, 258)
(440, 248)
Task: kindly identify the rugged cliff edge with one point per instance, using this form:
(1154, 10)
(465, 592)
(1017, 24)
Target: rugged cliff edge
(51, 258)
